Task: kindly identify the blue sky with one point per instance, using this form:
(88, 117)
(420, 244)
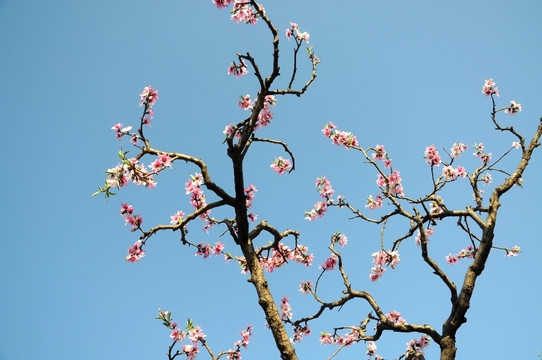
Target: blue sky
(406, 75)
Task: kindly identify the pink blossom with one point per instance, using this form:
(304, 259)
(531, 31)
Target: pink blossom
(238, 70)
(451, 259)
(302, 36)
(461, 171)
(371, 348)
(395, 317)
(328, 129)
(380, 153)
(292, 28)
(489, 89)
(165, 160)
(222, 3)
(219, 247)
(177, 218)
(319, 210)
(126, 209)
(381, 259)
(326, 338)
(376, 273)
(305, 287)
(456, 150)
(394, 181)
(432, 156)
(135, 253)
(381, 181)
(243, 13)
(285, 308)
(324, 187)
(148, 96)
(387, 163)
(191, 351)
(281, 165)
(485, 158)
(288, 33)
(203, 249)
(245, 103)
(427, 232)
(339, 238)
(196, 334)
(156, 165)
(418, 346)
(513, 109)
(516, 144)
(264, 117)
(374, 203)
(228, 130)
(435, 208)
(178, 335)
(300, 332)
(487, 178)
(449, 173)
(250, 195)
(513, 252)
(329, 264)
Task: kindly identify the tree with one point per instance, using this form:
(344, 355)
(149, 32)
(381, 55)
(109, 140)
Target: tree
(422, 214)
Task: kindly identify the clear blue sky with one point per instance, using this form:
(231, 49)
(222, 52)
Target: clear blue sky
(403, 74)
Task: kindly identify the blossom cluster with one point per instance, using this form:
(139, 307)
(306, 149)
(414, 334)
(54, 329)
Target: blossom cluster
(381, 259)
(135, 252)
(245, 340)
(371, 350)
(427, 233)
(194, 333)
(121, 131)
(339, 137)
(468, 253)
(339, 238)
(197, 197)
(489, 88)
(418, 346)
(238, 70)
(395, 317)
(513, 109)
(242, 12)
(393, 181)
(456, 149)
(329, 264)
(281, 165)
(129, 170)
(206, 250)
(345, 340)
(305, 287)
(299, 333)
(326, 191)
(432, 156)
(300, 36)
(264, 116)
(285, 309)
(513, 252)
(127, 211)
(148, 98)
(249, 193)
(277, 258)
(374, 203)
(485, 158)
(450, 173)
